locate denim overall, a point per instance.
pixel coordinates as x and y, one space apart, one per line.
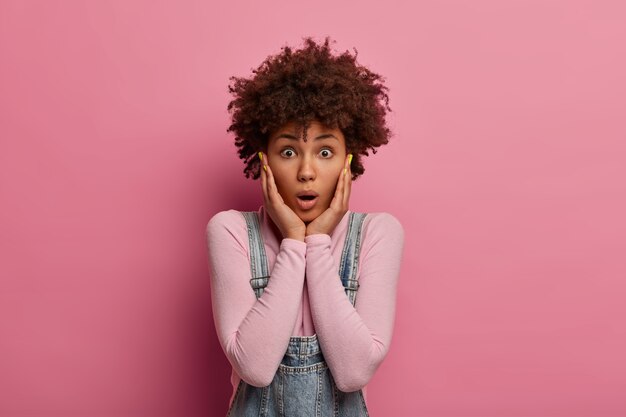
303 384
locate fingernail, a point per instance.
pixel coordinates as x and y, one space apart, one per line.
349 159
345 170
265 168
260 156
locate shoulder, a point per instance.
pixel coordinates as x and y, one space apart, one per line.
226 239
382 222
231 221
382 230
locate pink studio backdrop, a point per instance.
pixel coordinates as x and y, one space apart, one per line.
506 170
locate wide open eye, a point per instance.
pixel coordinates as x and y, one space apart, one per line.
287 152
326 153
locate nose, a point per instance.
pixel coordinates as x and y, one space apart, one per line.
306 171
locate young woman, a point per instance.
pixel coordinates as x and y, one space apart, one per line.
285 280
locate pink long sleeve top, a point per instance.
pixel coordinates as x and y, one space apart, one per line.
304 296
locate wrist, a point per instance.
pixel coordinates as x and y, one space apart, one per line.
315 232
296 233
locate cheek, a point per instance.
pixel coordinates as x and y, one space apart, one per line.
330 185
278 173
281 183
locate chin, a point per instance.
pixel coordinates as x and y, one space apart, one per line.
308 216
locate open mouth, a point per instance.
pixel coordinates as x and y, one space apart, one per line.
306 202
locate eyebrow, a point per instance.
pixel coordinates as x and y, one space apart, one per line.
288 136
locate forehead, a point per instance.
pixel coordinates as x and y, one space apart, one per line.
314 129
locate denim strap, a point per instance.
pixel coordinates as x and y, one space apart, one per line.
258 259
350 255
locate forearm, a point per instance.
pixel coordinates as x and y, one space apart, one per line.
259 343
356 340
254 333
351 349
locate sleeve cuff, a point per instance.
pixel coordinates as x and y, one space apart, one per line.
317 239
293 244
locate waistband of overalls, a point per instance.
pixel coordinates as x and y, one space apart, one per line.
304 345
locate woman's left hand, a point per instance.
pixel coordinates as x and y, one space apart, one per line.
327 221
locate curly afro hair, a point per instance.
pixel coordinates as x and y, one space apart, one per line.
305 85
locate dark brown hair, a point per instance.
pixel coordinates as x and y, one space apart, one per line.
304 85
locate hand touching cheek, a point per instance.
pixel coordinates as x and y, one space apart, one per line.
287 221
327 221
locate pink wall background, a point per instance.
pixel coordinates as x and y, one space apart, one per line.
506 170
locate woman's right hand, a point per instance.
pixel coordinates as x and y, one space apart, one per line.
290 225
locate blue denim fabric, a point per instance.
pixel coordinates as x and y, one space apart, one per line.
303 384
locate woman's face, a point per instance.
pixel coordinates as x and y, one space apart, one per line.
300 166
